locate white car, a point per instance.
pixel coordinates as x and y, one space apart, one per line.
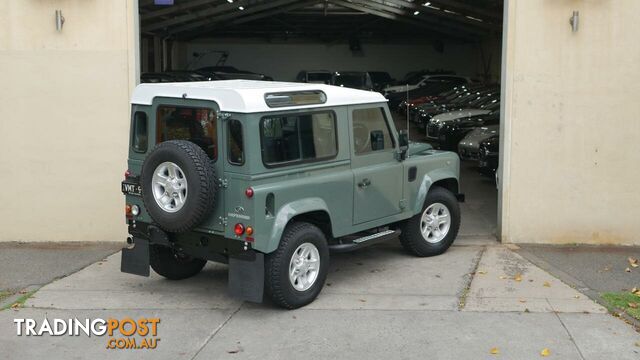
468 147
420 81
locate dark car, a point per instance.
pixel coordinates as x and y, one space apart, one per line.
352 79
452 132
157 77
231 73
314 76
433 85
186 75
380 79
488 156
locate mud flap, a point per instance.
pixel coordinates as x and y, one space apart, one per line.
246 278
136 260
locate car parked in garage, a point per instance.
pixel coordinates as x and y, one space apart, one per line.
482 107
423 80
451 133
229 73
315 76
380 79
469 146
269 177
352 79
488 155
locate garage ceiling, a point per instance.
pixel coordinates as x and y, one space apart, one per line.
324 20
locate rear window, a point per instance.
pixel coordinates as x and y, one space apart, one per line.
140 139
198 125
295 138
235 142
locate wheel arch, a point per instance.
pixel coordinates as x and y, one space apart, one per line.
312 210
441 177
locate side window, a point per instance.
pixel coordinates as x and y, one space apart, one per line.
294 138
197 125
235 142
139 131
371 131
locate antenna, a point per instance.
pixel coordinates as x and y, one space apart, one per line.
407 102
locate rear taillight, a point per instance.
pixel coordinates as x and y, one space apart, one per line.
127 210
238 229
127 174
249 192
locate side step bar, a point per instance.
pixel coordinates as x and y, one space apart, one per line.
364 241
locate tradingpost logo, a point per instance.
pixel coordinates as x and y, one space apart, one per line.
125 333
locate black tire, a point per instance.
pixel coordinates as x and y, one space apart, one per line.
200 177
411 237
172 265
277 284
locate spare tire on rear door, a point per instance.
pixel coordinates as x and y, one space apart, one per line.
178 185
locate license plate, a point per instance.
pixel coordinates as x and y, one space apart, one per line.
131 188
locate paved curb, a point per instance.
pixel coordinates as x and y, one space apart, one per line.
580 286
13 298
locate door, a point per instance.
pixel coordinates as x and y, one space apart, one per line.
195 121
377 174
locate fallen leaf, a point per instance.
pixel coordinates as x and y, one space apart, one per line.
518 277
363 300
22 292
526 310
522 301
235 351
577 296
503 277
633 305
637 343
16 306
627 270
546 284
481 272
606 268
633 262
545 352
494 351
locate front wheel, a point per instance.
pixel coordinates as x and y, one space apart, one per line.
296 271
432 231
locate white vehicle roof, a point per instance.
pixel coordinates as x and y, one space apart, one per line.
248 96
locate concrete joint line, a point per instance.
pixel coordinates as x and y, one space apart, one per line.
465 291
568 332
216 331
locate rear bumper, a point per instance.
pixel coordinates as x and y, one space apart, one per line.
246 266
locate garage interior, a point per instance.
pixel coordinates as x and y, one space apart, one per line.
281 38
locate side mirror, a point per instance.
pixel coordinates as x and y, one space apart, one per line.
403 141
377 140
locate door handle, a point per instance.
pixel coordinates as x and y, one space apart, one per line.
364 183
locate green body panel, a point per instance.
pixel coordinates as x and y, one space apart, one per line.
327 187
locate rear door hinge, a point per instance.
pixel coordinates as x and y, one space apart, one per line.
223 183
222 221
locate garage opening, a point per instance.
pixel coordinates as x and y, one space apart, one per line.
437 62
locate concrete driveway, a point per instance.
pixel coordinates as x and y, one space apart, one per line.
378 303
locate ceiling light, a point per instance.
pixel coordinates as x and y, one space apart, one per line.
230 1
240 8
427 3
416 12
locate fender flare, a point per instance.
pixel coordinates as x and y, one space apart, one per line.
289 211
429 179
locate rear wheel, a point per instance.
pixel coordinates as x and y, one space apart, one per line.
296 271
172 264
432 231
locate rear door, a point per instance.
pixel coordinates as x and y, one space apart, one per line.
377 174
196 121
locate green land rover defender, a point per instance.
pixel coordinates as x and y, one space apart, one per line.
270 177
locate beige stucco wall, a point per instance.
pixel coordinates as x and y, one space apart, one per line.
572 123
64 118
